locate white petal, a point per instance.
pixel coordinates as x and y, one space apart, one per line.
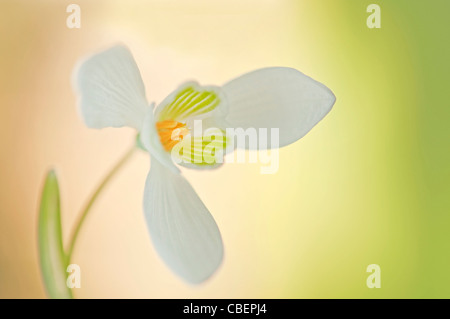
182 229
110 88
277 97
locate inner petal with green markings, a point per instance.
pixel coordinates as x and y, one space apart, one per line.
177 123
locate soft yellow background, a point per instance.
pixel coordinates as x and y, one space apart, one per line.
370 184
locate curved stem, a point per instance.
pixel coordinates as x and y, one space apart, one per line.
94 196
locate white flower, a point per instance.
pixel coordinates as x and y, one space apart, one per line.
112 94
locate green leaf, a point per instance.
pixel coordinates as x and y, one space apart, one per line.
52 257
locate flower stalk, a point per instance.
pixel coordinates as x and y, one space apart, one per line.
93 198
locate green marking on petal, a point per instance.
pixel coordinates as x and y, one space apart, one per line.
202 151
190 101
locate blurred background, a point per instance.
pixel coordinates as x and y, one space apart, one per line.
369 185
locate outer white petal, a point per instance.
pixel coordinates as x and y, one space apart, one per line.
110 89
277 97
181 227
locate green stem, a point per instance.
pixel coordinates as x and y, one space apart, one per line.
92 200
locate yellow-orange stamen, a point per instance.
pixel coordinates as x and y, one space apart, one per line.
170 133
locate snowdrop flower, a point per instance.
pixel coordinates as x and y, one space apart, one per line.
111 94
